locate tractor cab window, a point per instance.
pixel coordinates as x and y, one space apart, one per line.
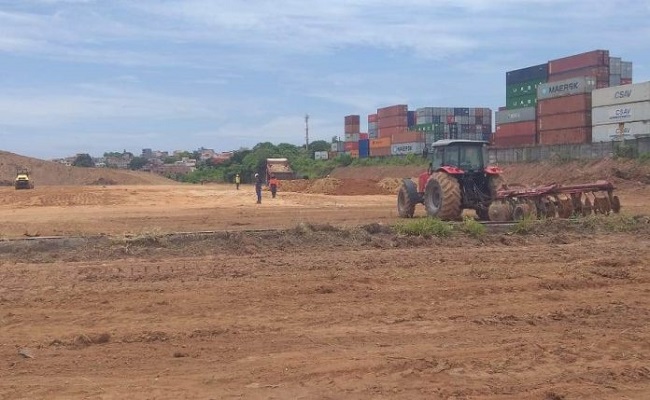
471 158
437 157
451 156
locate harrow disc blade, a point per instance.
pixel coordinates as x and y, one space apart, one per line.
602 205
616 204
565 207
586 207
500 212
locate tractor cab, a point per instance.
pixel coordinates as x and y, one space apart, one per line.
455 155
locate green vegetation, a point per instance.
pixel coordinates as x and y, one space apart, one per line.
524 226
247 162
425 227
83 160
473 228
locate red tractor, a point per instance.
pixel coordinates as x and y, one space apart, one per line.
458 178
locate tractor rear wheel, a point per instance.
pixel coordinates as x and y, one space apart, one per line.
405 207
442 197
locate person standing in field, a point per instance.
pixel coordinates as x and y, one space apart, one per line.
258 188
237 181
273 185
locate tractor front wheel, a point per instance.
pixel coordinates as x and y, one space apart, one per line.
442 198
405 207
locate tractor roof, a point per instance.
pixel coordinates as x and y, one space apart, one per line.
447 142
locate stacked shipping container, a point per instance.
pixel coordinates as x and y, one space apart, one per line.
562 98
515 128
521 85
438 123
621 112
564 111
372 126
352 128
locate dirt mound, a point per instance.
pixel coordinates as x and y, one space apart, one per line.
619 172
377 173
54 174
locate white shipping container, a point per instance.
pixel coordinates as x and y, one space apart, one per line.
407 148
321 155
621 94
351 137
566 87
517 115
606 133
621 113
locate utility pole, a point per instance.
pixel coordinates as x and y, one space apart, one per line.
307 132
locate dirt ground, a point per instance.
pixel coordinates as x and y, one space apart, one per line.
310 296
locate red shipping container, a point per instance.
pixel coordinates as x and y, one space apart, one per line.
392 111
590 59
578 135
407 137
451 119
349 146
514 141
391 130
372 117
352 120
380 151
385 122
503 108
564 105
599 73
626 81
478 112
352 128
516 129
564 121
363 136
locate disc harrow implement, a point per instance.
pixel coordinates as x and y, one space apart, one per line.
554 201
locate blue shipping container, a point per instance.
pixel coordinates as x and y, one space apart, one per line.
364 148
411 118
535 72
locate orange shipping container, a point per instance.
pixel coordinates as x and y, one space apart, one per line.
380 143
380 151
566 136
407 137
563 121
390 131
564 105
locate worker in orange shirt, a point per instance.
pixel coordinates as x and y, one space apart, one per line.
273 185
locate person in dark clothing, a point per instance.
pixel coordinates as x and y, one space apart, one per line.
258 188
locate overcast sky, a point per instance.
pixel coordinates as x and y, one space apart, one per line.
99 75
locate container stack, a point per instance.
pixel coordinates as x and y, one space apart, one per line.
352 128
372 126
560 92
392 120
438 123
564 111
626 72
380 147
515 128
521 86
364 148
593 64
621 112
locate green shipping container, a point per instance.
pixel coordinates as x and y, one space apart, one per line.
521 101
523 89
437 128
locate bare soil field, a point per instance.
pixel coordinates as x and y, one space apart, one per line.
312 296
